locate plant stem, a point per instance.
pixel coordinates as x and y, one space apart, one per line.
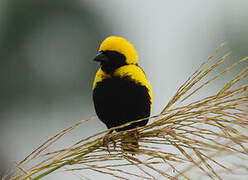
91 149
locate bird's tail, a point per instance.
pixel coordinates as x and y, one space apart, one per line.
130 142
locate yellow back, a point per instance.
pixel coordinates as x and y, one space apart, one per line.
133 71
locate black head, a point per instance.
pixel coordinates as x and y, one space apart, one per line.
110 60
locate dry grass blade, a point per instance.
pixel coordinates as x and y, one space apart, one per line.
184 138
196 77
52 140
218 75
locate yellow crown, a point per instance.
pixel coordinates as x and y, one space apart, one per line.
120 45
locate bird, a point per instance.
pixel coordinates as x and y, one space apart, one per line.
121 90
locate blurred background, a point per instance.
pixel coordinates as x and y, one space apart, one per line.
47 47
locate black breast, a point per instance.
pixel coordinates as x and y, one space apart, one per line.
121 100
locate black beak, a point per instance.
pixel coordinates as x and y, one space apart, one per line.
101 57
